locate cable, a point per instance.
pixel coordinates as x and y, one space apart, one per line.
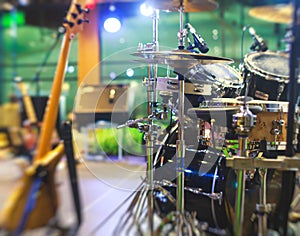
242 43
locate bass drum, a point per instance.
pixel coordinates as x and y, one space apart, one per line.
210 187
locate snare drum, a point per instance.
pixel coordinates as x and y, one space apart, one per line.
266 75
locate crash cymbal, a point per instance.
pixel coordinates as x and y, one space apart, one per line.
280 13
188 5
179 58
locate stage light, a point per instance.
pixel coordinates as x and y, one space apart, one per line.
70 69
112 75
112 24
146 9
24 2
129 72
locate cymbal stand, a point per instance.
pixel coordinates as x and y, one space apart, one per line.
182 33
151 109
181 217
150 131
243 121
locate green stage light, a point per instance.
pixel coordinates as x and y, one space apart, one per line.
12 18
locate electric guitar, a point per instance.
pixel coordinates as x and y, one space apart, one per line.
34 201
30 127
28 105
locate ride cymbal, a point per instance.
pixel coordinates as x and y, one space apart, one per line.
188 5
280 13
179 58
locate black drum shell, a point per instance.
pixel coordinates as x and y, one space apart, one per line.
225 183
266 75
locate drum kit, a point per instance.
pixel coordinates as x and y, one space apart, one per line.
219 167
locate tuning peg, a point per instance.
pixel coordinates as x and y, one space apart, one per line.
70 23
80 21
74 15
80 10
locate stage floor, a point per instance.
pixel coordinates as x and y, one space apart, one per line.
104 187
104 184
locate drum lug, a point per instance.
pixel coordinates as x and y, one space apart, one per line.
277 126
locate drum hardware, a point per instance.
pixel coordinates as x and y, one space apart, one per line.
171 84
199 191
181 60
261 163
262 208
167 103
150 130
243 121
277 126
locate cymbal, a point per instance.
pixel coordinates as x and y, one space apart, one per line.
267 105
219 113
279 13
188 5
179 58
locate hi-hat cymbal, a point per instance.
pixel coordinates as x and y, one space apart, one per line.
179 58
280 13
188 5
219 113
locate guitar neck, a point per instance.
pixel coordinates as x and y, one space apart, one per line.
51 112
29 109
73 23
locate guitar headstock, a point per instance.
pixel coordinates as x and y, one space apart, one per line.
20 85
75 17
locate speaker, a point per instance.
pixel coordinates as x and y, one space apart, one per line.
102 99
102 102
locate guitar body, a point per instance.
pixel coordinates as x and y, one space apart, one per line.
46 201
38 183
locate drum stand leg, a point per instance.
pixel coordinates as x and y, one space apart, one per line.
240 192
183 223
151 94
151 107
262 207
180 149
244 121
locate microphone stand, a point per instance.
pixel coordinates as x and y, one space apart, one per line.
292 86
288 177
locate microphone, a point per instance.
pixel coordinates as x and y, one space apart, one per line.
190 46
198 40
258 41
